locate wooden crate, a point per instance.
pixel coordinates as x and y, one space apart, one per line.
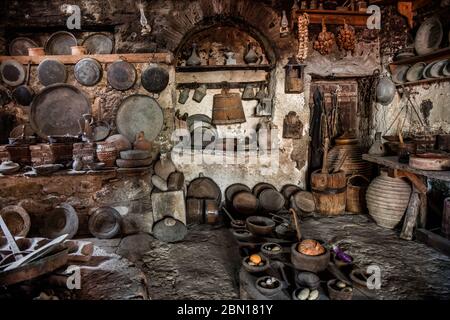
19 154
44 153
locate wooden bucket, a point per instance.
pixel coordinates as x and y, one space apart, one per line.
356 194
329 191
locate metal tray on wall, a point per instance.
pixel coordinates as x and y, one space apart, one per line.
139 113
57 109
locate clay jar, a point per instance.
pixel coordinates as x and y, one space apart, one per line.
141 143
106 153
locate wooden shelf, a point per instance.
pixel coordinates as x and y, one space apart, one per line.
423 81
436 55
256 67
354 18
392 162
166 58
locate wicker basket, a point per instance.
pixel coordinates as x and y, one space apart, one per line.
44 153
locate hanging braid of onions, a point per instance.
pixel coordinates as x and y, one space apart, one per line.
303 22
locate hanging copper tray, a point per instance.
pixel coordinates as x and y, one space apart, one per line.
121 75
59 43
98 43
57 109
139 113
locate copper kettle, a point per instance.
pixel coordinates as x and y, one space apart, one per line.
227 108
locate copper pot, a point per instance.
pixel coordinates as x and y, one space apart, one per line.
34 52
78 50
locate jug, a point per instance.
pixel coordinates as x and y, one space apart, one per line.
248 93
184 95
199 93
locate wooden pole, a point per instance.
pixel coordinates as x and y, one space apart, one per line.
411 216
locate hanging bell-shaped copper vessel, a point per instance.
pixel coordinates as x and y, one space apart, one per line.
227 108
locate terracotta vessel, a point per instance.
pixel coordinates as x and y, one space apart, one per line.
141 143
34 52
353 164
107 153
78 50
387 199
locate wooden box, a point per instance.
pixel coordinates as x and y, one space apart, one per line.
44 153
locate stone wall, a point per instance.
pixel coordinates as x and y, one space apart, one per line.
129 193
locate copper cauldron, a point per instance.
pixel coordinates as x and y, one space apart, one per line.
227 108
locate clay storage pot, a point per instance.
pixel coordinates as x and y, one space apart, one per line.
271 200
356 194
251 267
120 142
164 167
107 153
17 220
312 263
245 202
268 286
337 293
329 191
62 220
105 223
387 199
260 225
353 164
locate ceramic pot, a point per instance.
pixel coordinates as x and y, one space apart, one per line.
387 199
194 59
354 163
141 143
251 57
107 153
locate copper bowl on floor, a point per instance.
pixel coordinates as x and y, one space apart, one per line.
309 263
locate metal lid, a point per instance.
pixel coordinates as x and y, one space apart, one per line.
154 78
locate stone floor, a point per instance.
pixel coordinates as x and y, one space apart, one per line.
205 265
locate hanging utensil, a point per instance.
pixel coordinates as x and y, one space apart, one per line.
60 43
297 226
154 78
121 75
24 94
51 72
98 43
88 72
12 72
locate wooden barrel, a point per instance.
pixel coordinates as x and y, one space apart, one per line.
329 191
212 212
356 194
271 200
194 211
245 202
204 188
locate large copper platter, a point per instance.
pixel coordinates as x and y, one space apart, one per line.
57 109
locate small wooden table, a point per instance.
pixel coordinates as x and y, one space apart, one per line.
419 179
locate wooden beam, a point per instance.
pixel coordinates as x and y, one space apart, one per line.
417 181
411 216
222 76
166 58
